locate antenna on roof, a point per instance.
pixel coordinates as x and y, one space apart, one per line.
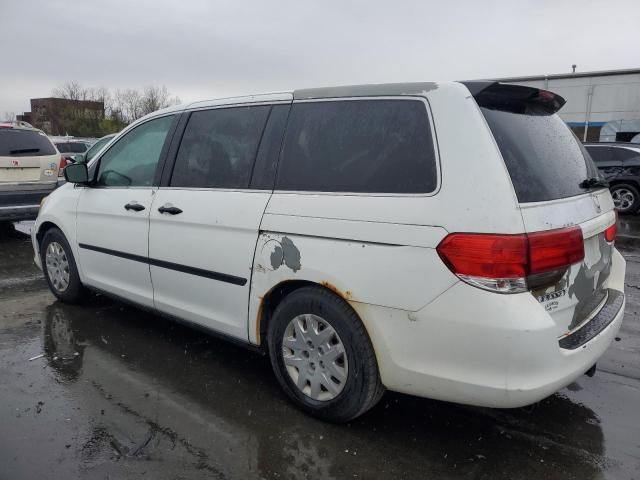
573 68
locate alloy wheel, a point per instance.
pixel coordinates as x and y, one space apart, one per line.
623 199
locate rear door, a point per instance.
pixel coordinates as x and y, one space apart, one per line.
113 214
548 166
205 220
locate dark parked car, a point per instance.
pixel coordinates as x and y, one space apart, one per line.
620 165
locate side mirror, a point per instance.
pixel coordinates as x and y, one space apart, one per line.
77 173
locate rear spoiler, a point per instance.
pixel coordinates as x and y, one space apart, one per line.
514 98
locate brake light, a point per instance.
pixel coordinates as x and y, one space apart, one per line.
512 263
610 232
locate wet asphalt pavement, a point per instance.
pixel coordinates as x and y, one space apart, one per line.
120 393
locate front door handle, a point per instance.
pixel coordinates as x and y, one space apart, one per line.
170 210
134 206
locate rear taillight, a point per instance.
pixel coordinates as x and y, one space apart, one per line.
610 233
512 263
61 165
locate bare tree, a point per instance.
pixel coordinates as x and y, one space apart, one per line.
71 91
128 104
8 116
154 98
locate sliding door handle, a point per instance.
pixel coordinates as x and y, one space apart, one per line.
134 206
170 210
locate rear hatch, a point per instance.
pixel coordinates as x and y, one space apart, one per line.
557 186
27 157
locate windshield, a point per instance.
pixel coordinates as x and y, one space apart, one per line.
24 143
544 158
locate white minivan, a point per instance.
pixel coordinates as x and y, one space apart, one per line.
447 240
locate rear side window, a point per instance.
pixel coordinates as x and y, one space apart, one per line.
15 142
218 148
625 154
600 154
374 146
544 158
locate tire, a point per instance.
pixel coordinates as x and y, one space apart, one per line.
356 385
626 198
61 273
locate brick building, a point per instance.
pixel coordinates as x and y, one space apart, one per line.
61 116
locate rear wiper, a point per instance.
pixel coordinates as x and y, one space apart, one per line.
594 182
24 150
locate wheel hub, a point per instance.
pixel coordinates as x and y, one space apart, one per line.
623 198
315 357
57 266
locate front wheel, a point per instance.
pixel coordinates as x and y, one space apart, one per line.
626 198
322 356
59 267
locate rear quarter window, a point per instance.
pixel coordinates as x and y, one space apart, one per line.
544 158
15 142
359 146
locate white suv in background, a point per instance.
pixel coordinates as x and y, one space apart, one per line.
447 240
29 165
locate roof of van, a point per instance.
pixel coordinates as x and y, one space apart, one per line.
393 89
372 90
365 90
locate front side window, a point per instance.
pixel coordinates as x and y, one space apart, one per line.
218 148
132 161
360 146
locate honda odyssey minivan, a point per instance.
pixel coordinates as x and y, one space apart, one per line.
447 240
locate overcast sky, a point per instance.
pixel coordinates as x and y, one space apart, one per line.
205 49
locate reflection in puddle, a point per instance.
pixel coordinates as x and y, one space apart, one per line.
158 391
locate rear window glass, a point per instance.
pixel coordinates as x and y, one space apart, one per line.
375 146
544 158
15 142
71 147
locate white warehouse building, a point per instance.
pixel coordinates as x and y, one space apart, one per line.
601 106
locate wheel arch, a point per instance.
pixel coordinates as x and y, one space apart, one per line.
43 228
272 298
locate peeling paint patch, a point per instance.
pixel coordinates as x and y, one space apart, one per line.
276 257
291 254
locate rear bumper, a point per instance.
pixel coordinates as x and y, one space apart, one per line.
480 348
22 205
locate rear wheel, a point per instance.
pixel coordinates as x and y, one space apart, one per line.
59 267
626 198
322 356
